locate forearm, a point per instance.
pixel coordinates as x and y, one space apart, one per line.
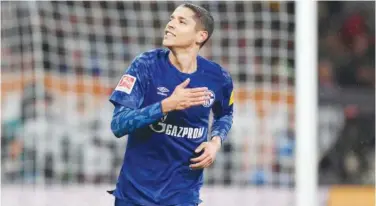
222 126
126 120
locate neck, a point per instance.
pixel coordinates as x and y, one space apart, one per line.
185 60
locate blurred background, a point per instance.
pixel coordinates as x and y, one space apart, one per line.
61 60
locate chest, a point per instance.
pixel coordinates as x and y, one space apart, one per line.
163 85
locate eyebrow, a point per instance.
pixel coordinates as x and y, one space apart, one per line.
179 17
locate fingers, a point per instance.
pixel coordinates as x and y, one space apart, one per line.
197 89
204 163
185 83
199 94
201 147
186 105
196 103
200 158
197 100
190 97
193 101
205 159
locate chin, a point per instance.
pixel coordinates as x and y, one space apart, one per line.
167 44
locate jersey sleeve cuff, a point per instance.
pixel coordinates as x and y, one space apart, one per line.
158 113
218 134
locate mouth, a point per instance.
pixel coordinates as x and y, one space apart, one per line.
168 33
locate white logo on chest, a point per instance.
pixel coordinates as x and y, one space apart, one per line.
162 91
177 131
210 101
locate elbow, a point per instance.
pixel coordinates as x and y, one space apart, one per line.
116 129
117 134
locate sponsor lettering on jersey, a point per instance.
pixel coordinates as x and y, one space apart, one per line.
177 131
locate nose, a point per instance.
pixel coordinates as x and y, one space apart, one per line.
171 24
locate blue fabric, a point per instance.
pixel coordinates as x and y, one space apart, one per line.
156 163
221 126
126 120
119 202
223 110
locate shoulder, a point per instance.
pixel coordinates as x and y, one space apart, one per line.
217 70
150 57
143 63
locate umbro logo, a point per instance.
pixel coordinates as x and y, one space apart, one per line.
162 91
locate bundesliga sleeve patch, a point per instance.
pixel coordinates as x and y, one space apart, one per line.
126 83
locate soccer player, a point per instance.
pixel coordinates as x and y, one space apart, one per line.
163 102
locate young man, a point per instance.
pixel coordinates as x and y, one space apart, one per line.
163 102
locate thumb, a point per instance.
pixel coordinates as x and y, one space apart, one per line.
185 83
200 148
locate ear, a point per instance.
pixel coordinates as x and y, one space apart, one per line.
201 36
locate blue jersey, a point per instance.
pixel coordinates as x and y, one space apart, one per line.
157 158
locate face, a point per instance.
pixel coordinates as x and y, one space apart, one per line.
182 30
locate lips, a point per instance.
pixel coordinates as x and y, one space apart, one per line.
168 33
